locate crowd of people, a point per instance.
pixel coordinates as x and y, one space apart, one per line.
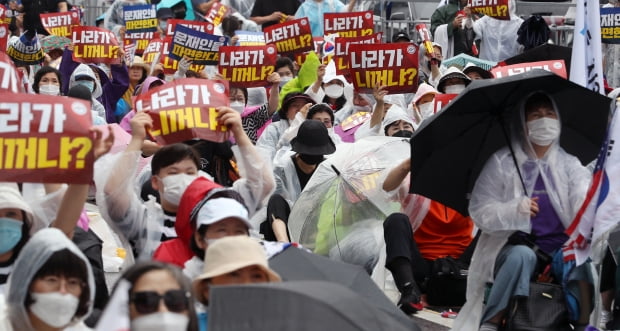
186 217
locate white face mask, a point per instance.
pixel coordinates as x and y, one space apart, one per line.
543 131
284 80
175 185
238 106
49 89
455 89
163 321
358 109
426 110
54 308
334 91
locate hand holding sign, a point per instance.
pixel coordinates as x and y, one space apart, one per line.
102 146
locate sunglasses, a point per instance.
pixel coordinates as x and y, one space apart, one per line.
147 302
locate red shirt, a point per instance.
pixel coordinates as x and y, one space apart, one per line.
443 232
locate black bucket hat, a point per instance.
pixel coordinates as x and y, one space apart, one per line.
313 139
290 98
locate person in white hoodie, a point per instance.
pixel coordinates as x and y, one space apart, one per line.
84 75
498 38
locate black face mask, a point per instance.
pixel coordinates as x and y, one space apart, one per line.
179 14
428 64
403 134
311 159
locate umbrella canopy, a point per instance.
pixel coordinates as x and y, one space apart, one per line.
346 189
51 42
449 151
295 264
300 306
544 52
463 59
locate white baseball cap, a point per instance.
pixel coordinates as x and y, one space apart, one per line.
215 210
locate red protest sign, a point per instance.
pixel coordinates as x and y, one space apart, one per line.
60 24
493 8
153 49
45 139
4 36
171 65
185 109
217 13
441 100
341 50
3 18
247 66
392 65
556 66
9 79
95 45
206 27
140 39
290 37
355 24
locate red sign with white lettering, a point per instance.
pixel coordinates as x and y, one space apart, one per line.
247 66
392 65
441 101
556 66
95 45
357 24
341 50
493 8
185 109
290 37
60 24
9 79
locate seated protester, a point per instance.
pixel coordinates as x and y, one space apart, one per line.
423 103
361 112
160 299
255 118
423 232
320 112
51 286
47 81
113 82
232 260
475 72
285 68
292 104
453 81
174 167
386 119
430 64
510 208
84 75
292 172
498 38
333 90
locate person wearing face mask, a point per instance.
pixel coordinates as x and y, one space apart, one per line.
292 172
453 81
255 118
430 64
51 286
85 76
160 298
535 206
388 117
47 81
320 112
475 72
174 168
163 15
423 105
285 68
333 90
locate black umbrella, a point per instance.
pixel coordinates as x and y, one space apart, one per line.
296 264
544 52
449 151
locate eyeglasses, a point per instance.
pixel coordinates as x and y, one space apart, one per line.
72 284
147 302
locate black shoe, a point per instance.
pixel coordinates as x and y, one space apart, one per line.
409 301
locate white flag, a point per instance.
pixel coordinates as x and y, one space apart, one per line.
115 316
586 63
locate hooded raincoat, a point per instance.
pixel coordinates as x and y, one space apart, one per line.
498 38
98 110
33 256
496 201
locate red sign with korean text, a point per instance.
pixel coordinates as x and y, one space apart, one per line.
95 45
290 37
206 27
9 78
152 50
341 50
247 66
357 24
45 139
217 13
4 36
3 18
493 8
441 100
556 66
185 109
60 24
392 65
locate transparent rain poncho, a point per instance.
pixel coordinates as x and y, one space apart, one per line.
32 257
499 206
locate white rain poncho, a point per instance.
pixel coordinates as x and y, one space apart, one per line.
98 109
499 207
498 38
32 257
270 138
